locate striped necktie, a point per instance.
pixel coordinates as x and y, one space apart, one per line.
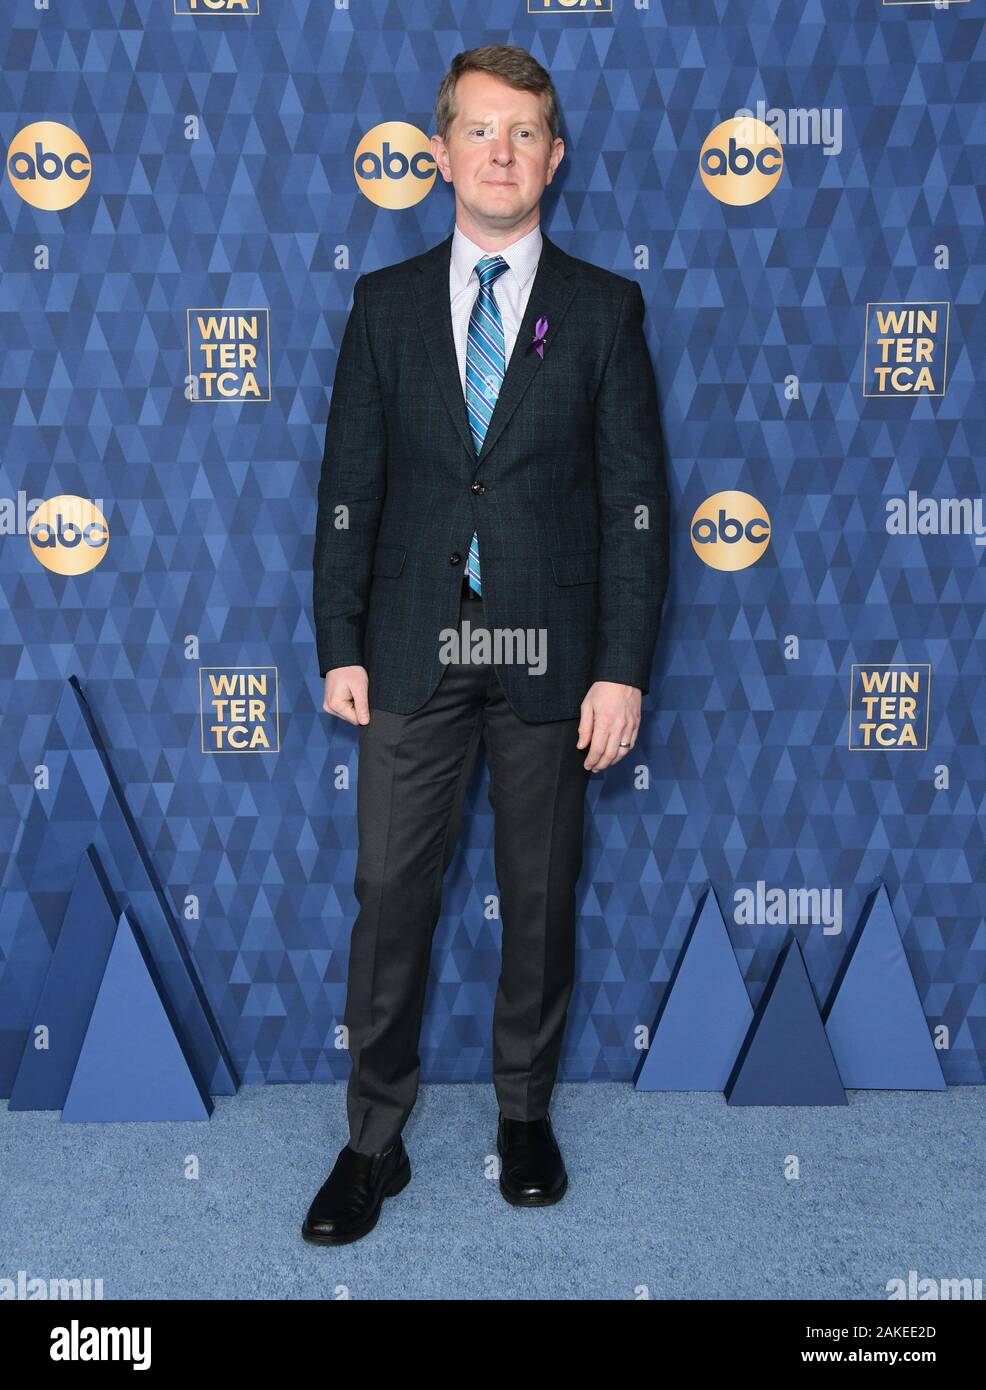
485 365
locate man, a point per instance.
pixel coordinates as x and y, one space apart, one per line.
493 464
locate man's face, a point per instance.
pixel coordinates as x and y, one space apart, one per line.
498 153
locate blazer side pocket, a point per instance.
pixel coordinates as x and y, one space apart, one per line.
389 559
576 567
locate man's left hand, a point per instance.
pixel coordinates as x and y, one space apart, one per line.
610 715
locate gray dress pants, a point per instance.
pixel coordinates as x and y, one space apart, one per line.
413 773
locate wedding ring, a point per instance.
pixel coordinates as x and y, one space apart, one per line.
624 745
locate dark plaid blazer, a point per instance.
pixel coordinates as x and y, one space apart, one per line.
568 495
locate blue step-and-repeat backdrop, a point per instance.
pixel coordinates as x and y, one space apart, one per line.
190 189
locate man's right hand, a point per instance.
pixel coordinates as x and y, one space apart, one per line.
346 695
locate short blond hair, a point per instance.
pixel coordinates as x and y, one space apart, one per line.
508 62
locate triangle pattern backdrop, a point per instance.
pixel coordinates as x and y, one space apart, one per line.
85 807
211 509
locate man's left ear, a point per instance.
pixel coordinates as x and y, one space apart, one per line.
440 155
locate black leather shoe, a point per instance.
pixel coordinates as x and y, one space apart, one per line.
348 1203
532 1171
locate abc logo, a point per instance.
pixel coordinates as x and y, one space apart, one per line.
49 165
69 535
741 161
730 530
394 165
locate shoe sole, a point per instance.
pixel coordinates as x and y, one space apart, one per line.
397 1184
521 1201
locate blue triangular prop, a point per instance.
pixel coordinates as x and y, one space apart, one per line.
874 1019
786 1059
86 805
132 1066
705 1013
70 989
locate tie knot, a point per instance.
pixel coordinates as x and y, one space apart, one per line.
489 269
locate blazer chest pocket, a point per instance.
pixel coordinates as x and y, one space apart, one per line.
389 559
577 567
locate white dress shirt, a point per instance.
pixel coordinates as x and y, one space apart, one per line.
512 290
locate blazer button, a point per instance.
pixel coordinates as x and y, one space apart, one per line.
478 487
455 558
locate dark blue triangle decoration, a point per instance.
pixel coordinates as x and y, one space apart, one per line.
85 805
132 1066
69 994
786 1058
874 1020
705 1013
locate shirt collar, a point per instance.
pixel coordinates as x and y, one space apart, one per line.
522 256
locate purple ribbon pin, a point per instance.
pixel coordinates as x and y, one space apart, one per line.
540 329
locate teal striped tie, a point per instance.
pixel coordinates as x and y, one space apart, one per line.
485 365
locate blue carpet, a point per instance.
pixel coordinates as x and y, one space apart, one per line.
671 1195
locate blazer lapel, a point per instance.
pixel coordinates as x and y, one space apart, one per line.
551 294
431 293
